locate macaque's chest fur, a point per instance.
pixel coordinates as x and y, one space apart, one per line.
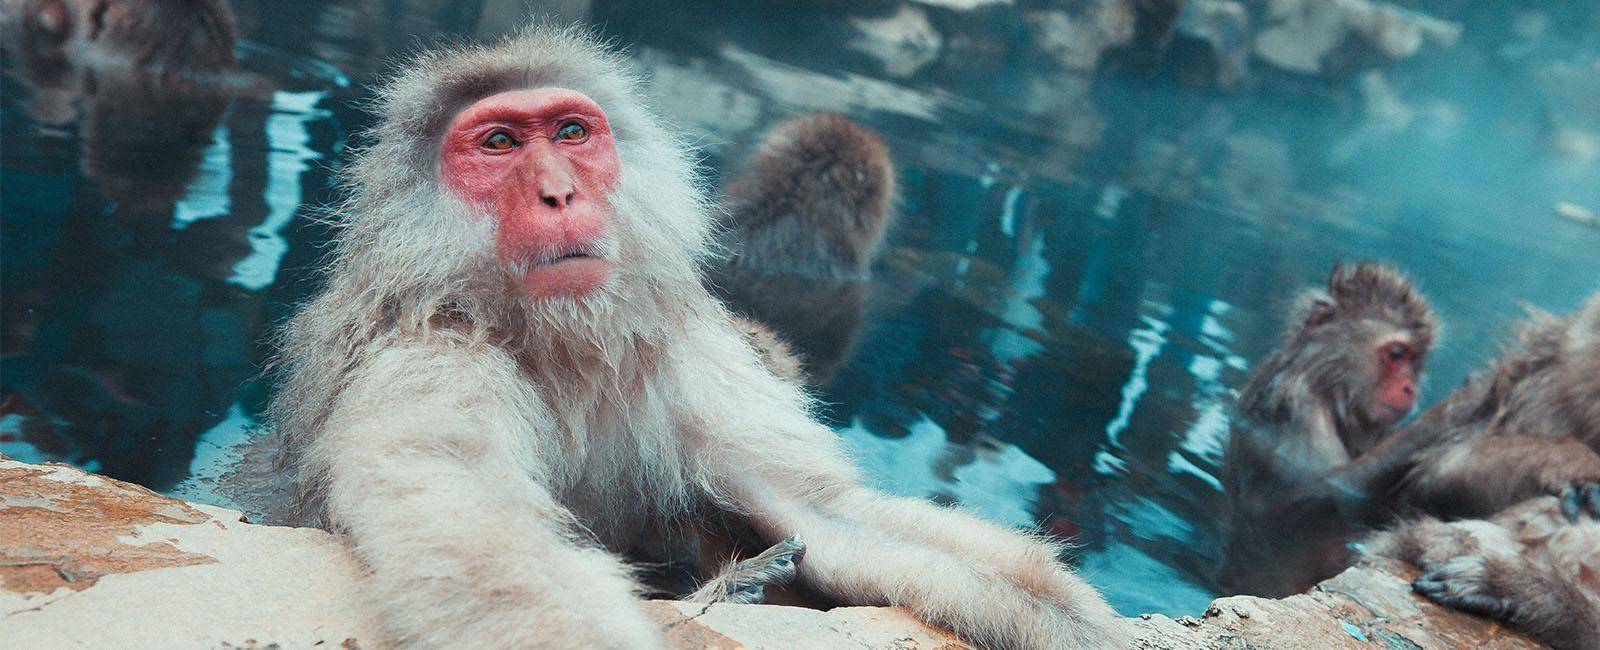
622 442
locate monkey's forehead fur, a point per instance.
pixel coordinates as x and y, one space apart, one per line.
1370 290
416 104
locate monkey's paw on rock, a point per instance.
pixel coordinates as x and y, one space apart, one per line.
91 562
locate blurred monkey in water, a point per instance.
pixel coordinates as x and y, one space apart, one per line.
1523 435
515 376
805 217
1311 455
1528 427
140 87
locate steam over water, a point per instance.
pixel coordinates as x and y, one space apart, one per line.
1090 255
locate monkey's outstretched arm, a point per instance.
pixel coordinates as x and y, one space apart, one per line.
1363 485
789 476
1483 474
1305 463
1274 469
434 468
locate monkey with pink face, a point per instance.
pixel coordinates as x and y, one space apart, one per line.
515 379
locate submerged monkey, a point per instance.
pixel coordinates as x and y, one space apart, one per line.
515 376
1312 455
805 218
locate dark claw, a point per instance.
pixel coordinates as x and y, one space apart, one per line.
1570 502
1431 585
750 595
1580 498
1434 587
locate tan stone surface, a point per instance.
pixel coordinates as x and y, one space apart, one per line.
92 562
772 627
1367 606
61 528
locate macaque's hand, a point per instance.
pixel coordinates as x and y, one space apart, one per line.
1461 583
1579 499
747 581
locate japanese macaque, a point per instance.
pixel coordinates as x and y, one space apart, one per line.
1523 435
1535 566
139 86
145 81
515 379
1528 427
1311 456
805 218
67 49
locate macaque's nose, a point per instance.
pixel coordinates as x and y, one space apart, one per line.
1409 389
556 195
555 182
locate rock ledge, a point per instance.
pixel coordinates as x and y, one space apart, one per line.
90 562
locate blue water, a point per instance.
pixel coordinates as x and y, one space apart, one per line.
1082 273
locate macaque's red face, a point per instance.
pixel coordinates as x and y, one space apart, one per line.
1396 393
542 163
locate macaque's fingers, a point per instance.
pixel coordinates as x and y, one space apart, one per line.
1472 603
866 562
1580 498
1461 584
746 582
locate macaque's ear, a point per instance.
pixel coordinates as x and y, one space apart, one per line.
1319 312
1312 309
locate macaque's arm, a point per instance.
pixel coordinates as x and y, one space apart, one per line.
790 477
434 472
1290 470
1365 483
1485 473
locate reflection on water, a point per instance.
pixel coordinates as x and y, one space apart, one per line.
146 200
1084 262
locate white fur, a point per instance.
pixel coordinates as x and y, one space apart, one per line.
487 454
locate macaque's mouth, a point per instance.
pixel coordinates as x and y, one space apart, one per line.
1393 412
554 256
570 256
570 273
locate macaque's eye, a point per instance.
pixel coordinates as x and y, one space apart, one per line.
571 132
500 141
1396 352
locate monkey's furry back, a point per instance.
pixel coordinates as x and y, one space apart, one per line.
407 255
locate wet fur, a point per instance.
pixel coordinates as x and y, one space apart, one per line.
1307 464
805 218
1518 441
1321 372
1528 426
491 459
1528 566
